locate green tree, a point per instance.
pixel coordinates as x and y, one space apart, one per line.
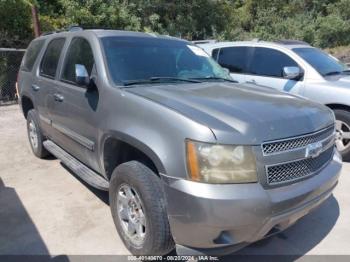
15 25
322 23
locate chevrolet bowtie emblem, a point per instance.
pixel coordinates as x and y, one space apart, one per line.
313 150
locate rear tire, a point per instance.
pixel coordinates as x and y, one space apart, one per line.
145 189
343 133
35 135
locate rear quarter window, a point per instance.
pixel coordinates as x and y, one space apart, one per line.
215 54
31 54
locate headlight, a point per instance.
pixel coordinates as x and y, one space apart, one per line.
214 163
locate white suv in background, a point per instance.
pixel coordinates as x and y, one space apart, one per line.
291 66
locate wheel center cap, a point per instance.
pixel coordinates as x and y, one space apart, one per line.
339 135
132 211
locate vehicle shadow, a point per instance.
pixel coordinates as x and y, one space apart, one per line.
102 195
18 233
300 238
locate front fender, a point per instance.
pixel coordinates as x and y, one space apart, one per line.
156 130
133 142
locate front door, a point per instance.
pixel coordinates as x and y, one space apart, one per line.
76 107
266 69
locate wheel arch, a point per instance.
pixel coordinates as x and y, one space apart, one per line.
119 148
339 106
26 104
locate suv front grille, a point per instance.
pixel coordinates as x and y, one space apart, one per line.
287 172
296 142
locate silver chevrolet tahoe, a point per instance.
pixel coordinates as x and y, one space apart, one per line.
191 159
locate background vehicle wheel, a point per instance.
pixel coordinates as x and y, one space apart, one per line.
35 135
138 209
343 133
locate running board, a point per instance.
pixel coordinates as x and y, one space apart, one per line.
81 170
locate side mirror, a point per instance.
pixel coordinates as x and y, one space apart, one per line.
292 72
81 75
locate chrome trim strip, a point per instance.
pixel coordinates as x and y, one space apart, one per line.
76 137
293 138
295 160
299 153
45 119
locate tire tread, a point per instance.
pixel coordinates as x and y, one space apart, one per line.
153 197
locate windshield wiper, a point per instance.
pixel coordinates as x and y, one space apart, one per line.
165 78
215 78
332 73
160 79
346 72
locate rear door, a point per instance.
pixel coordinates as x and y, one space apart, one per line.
45 82
266 68
76 106
235 59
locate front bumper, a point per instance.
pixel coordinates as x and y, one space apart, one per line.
220 219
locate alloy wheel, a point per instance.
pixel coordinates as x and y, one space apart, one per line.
33 134
131 214
342 136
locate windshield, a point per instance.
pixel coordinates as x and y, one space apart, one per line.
322 62
142 59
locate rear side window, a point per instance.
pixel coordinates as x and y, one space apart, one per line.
215 54
32 53
234 59
79 52
269 62
51 57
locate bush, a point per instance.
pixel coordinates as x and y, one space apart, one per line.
15 26
332 31
323 23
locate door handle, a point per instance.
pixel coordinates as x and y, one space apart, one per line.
252 82
35 88
58 97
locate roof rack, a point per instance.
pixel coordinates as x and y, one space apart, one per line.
209 41
51 32
291 42
75 28
72 28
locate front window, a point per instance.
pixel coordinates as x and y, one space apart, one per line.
141 59
270 62
322 62
79 52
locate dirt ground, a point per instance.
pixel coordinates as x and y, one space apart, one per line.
45 209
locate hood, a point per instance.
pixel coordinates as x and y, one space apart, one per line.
248 114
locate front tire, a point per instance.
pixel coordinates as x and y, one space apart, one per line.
138 208
343 133
35 135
